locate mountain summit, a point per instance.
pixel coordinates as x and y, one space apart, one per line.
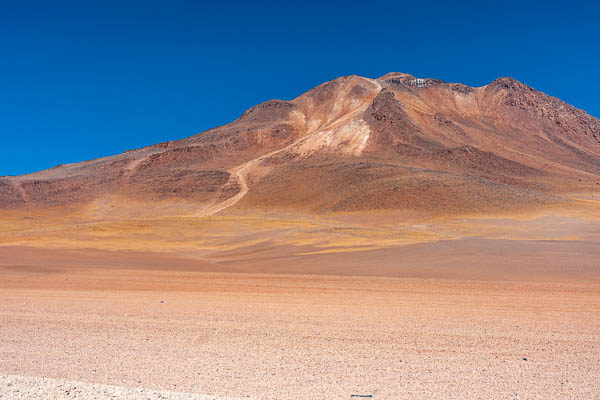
349 145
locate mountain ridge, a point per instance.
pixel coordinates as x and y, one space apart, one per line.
418 141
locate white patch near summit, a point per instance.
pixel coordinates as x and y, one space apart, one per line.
350 138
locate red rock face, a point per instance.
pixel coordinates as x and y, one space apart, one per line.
397 142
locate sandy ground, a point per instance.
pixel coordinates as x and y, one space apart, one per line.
252 335
25 387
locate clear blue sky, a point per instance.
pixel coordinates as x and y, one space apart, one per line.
85 79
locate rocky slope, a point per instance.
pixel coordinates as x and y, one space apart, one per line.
353 144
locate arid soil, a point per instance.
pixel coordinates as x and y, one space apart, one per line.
25 387
251 335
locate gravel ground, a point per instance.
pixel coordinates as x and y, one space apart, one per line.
276 337
26 387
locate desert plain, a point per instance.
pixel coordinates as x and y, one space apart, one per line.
464 316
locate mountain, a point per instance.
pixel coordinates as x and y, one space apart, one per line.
352 144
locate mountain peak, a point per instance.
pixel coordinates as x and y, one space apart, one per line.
395 75
507 82
402 79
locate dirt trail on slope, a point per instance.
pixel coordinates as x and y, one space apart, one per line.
20 189
241 172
